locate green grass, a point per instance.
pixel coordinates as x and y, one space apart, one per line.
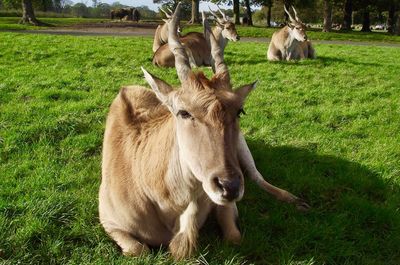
314 34
12 23
326 129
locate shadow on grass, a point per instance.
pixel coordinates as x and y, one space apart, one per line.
320 60
354 213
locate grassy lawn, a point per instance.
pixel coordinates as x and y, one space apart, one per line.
7 23
314 34
327 130
11 23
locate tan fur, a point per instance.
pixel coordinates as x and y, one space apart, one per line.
196 47
160 37
144 189
290 42
172 156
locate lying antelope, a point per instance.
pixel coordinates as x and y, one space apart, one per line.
161 34
290 42
171 156
196 46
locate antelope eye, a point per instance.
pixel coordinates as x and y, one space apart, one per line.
184 114
240 112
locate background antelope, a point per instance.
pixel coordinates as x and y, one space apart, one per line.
161 34
290 42
155 194
196 46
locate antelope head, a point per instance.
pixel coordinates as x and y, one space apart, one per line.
205 115
226 25
296 28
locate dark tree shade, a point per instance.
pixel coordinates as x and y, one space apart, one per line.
236 11
248 11
366 21
347 13
327 16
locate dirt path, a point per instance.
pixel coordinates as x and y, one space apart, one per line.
148 30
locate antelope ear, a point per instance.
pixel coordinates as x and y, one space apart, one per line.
161 88
165 20
290 25
243 91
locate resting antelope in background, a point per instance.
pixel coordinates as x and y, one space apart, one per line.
161 34
171 156
196 46
290 42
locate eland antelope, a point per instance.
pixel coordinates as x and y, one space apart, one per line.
196 46
290 42
171 156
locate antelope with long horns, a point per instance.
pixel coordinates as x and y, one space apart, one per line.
171 156
196 46
161 34
291 42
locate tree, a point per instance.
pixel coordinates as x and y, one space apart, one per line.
268 5
195 12
347 14
186 6
249 14
366 23
80 10
28 15
327 16
392 6
236 11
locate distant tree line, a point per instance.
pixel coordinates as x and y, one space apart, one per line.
67 8
345 13
341 14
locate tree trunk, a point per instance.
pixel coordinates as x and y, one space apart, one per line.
327 16
28 16
391 21
269 8
195 12
397 28
366 21
347 12
248 10
236 11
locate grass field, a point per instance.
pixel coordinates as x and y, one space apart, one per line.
325 129
314 34
11 23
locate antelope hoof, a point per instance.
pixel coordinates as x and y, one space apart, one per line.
301 205
181 247
234 238
136 250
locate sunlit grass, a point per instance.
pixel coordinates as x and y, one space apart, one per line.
327 130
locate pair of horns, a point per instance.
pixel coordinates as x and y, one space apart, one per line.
167 14
181 58
290 16
224 17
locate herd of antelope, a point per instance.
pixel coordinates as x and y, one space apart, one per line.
171 156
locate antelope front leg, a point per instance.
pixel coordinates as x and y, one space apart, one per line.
249 169
227 219
183 244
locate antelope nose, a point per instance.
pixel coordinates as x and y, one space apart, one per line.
229 187
237 38
305 37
